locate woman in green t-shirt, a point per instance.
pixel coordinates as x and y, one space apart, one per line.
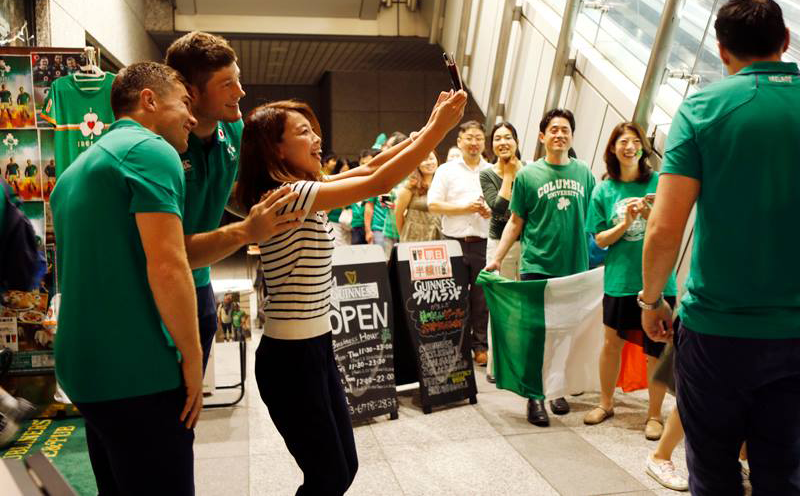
617 217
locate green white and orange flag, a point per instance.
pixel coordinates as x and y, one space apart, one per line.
546 335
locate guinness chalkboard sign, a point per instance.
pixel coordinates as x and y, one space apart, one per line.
361 320
434 293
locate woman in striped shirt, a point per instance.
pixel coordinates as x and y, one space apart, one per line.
296 371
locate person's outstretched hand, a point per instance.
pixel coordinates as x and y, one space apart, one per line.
449 112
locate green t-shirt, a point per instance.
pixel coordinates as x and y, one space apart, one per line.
5 96
553 201
739 137
111 342
81 112
390 222
23 98
31 170
334 214
12 169
358 215
623 265
378 214
236 318
211 169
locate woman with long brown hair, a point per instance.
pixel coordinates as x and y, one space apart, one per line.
295 367
414 221
618 216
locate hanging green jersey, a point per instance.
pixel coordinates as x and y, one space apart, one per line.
81 112
623 272
553 201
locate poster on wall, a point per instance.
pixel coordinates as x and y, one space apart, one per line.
16 102
47 67
47 152
19 162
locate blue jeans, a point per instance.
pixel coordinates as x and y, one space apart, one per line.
358 236
732 390
207 319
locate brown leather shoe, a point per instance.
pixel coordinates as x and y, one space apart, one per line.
481 358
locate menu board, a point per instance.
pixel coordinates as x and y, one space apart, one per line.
361 321
434 293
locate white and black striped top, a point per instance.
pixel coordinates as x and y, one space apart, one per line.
298 274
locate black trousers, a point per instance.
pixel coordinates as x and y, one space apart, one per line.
139 446
207 319
732 390
474 256
299 382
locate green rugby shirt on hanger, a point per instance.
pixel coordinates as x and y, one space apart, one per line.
80 110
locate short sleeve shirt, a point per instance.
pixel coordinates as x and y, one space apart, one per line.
210 170
378 214
111 341
553 200
457 183
739 138
623 264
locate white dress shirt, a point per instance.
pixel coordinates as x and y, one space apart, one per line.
455 182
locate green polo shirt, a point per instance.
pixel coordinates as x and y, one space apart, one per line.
378 214
739 137
553 200
211 168
111 342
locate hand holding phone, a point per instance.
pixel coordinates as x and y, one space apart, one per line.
455 77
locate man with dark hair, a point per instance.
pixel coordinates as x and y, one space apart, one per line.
732 150
210 164
135 369
456 194
549 203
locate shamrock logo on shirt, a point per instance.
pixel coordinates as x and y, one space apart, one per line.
10 141
91 125
563 203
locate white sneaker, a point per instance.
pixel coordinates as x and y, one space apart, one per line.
663 471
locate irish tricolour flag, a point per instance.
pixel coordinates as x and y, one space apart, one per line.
546 335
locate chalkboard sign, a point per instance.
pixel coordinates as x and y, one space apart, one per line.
361 320
434 293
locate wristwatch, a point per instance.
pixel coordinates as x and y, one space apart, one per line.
649 306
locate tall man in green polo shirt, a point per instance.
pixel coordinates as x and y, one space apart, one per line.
732 151
127 350
210 165
549 203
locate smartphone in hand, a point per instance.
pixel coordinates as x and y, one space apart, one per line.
455 77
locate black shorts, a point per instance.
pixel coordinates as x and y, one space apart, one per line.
623 314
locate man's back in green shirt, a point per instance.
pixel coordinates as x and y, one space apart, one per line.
739 137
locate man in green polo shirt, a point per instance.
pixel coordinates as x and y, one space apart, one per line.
210 165
549 203
732 151
127 350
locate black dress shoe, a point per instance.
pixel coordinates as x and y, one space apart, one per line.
559 406
537 414
490 379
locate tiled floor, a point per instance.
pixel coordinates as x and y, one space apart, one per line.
483 449
487 448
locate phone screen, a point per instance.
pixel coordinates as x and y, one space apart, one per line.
455 77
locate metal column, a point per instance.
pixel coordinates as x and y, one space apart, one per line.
463 31
561 62
657 65
501 56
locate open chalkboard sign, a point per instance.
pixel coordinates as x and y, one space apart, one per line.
434 293
361 321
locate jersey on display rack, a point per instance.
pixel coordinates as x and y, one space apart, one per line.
81 112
